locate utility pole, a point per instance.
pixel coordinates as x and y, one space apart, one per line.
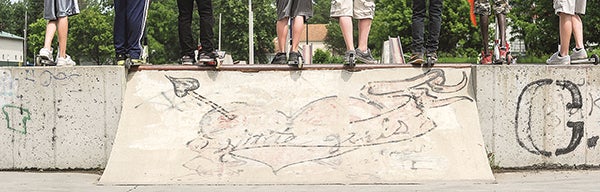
250 33
25 38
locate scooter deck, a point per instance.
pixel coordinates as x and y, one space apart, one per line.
591 60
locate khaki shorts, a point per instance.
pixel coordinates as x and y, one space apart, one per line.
482 7
358 9
570 7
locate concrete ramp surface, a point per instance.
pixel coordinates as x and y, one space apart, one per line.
395 125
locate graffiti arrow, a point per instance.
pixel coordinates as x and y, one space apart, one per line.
187 86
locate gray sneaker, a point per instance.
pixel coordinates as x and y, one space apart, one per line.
365 57
577 55
350 57
557 60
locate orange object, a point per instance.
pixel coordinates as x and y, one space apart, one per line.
472 12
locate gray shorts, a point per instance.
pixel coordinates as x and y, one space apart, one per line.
289 8
358 9
483 7
570 7
54 9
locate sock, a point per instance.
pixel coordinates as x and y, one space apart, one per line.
578 49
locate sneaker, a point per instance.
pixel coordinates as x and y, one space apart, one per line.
120 59
365 57
65 62
46 54
577 55
558 60
187 60
207 56
350 57
486 58
416 59
295 58
502 56
432 58
137 61
280 58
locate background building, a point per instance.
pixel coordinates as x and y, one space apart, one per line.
11 49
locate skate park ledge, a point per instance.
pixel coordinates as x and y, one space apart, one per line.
529 115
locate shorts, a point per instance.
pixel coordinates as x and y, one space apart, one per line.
358 9
570 7
289 8
54 9
482 7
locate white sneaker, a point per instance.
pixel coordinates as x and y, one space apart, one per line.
46 53
557 60
577 55
66 62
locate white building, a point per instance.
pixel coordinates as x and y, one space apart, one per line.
11 49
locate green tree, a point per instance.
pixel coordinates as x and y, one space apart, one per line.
235 27
90 35
162 32
536 24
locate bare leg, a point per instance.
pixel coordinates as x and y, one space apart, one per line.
63 30
484 32
281 35
297 29
566 29
346 26
364 27
502 29
50 31
577 30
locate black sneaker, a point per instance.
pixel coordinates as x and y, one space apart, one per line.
187 60
295 58
432 58
207 56
365 57
120 59
416 59
280 58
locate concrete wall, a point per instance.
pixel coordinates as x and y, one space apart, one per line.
540 115
56 117
529 115
393 125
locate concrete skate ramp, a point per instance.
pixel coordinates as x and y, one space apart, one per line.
372 126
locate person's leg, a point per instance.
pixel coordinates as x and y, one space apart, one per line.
63 32
347 31
364 28
418 27
136 23
501 28
50 32
577 31
434 26
282 33
207 21
484 21
187 45
297 28
566 29
120 29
